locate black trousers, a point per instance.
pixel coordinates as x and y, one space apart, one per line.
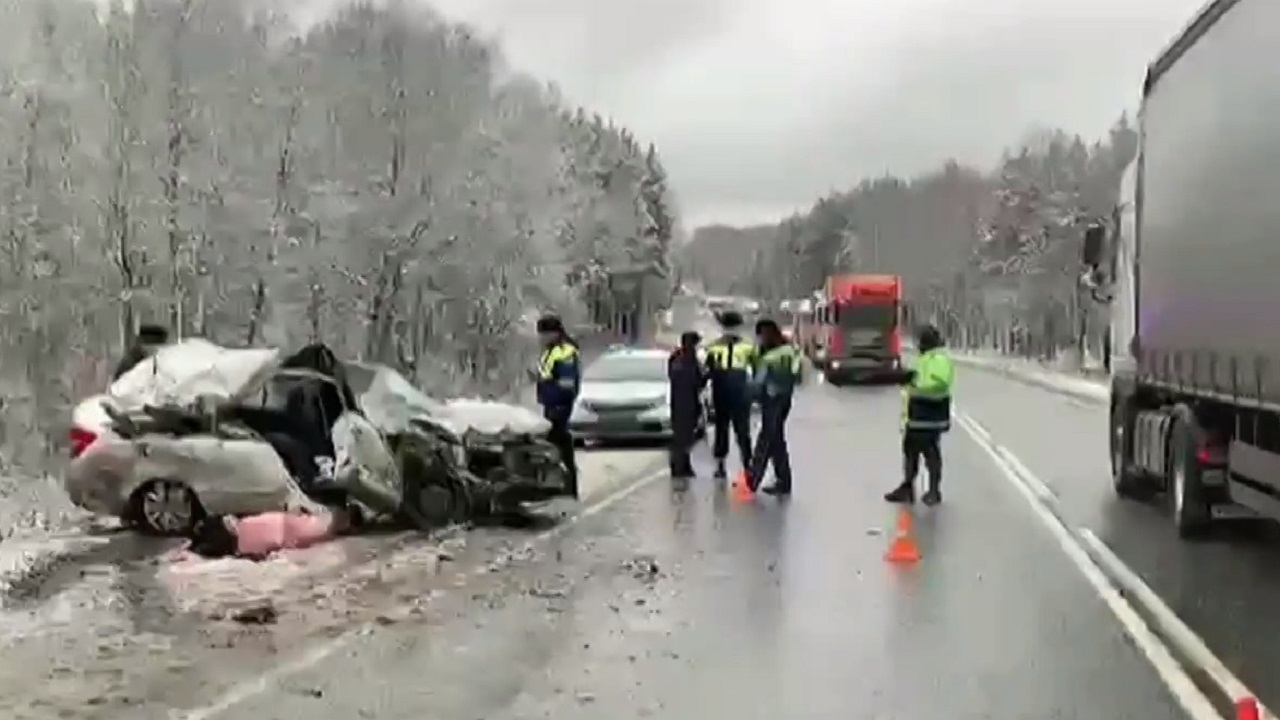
771 443
926 444
560 436
684 429
735 416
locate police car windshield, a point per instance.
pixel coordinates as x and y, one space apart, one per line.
628 368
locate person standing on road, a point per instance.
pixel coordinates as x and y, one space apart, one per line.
687 378
731 361
777 374
926 416
559 379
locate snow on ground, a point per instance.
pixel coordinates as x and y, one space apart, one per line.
1090 383
30 505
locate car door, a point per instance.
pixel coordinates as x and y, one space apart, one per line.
363 458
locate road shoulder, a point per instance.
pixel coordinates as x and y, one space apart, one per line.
165 635
1089 388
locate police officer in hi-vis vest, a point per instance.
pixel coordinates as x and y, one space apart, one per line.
777 375
559 379
731 362
926 416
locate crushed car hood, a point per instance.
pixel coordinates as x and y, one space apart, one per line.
487 417
391 403
179 373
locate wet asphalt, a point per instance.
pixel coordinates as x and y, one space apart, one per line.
1225 586
677 602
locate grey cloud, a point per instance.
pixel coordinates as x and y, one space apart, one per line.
761 104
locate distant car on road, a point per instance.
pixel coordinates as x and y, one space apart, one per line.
625 396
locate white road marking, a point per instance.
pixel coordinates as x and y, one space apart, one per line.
1042 489
1047 494
315 655
1168 622
1181 687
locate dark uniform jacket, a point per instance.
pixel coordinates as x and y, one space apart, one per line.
559 378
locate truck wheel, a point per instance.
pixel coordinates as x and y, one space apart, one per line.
1192 511
1126 480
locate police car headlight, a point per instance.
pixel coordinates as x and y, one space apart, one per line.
581 413
661 412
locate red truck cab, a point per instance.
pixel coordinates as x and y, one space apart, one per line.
861 327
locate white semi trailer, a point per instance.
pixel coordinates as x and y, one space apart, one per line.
1193 268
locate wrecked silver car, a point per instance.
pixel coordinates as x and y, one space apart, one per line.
202 429
497 451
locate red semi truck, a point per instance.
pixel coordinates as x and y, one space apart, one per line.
860 333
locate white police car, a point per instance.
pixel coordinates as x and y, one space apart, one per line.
625 396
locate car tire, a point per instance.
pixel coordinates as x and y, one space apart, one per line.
165 507
431 500
1192 511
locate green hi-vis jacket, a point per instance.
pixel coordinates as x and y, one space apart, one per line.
778 372
927 399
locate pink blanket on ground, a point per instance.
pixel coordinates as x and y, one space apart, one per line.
261 535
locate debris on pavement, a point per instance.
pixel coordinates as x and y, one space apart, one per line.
263 614
644 568
171 627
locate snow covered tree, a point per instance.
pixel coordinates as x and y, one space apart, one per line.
379 180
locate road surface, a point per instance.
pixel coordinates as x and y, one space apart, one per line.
676 602
1225 587
131 630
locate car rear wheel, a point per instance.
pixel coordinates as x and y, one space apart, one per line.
166 507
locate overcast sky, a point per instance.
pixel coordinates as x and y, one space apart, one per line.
759 106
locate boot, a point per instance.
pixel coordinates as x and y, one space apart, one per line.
720 473
903 494
778 489
933 495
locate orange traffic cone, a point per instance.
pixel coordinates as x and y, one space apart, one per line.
742 491
903 549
